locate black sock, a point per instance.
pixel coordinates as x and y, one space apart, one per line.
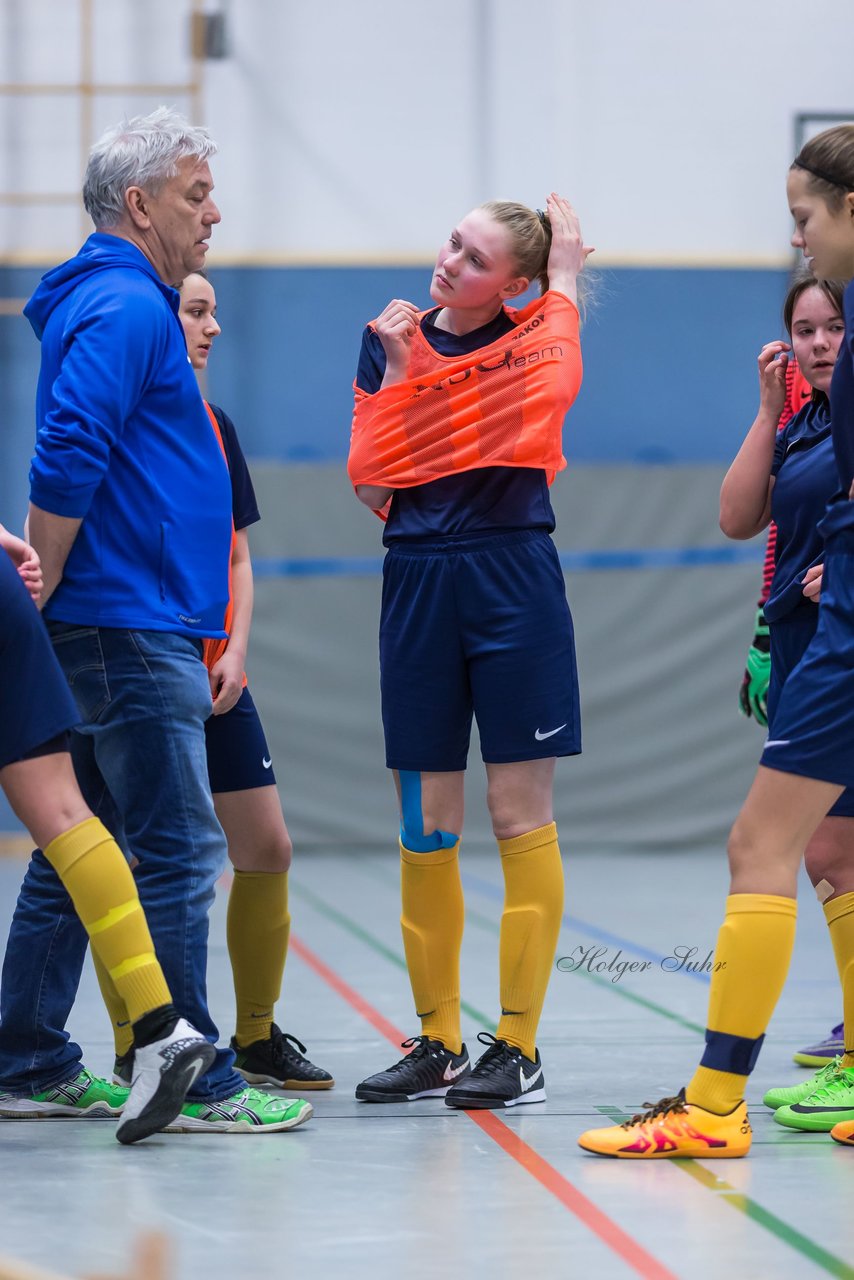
154 1025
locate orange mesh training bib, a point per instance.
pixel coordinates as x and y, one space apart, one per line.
500 406
214 649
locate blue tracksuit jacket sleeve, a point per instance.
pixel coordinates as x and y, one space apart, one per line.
108 350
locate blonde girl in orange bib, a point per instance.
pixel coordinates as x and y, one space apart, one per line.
456 439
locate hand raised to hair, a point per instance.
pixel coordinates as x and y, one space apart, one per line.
568 252
395 327
773 361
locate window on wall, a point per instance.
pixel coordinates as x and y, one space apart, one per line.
809 123
67 72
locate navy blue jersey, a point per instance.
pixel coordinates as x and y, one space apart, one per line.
842 416
489 500
244 504
814 719
806 479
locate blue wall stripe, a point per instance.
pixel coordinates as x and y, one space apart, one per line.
669 360
571 561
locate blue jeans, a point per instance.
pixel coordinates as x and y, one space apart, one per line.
139 756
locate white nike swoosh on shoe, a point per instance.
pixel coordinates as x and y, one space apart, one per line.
451 1073
528 1082
541 737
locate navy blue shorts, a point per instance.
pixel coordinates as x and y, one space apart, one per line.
238 756
36 706
477 625
813 733
791 636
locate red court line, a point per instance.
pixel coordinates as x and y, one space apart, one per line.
570 1197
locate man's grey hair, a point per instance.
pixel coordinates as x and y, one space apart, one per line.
141 152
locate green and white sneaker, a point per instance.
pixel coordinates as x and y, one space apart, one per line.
831 1104
248 1111
776 1098
84 1095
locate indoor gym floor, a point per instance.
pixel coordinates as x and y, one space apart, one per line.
381 1191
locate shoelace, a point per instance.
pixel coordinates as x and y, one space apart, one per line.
657 1109
830 1072
825 1079
496 1055
280 1048
832 1078
420 1050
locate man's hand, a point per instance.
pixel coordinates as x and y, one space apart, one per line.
753 694
52 537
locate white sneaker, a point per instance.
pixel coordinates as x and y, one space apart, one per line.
162 1074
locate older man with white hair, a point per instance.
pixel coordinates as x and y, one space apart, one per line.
130 511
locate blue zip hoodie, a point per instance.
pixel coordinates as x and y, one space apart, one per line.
123 441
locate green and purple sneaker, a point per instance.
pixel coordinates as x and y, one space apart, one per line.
818 1055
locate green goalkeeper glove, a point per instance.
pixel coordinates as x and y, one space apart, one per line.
753 694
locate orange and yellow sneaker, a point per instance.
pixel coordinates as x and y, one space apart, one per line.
673 1128
844 1133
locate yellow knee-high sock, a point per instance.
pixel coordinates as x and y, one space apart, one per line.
530 924
431 920
99 882
116 1008
258 928
839 913
751 962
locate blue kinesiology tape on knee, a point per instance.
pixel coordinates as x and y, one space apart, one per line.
412 835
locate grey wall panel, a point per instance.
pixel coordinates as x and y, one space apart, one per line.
667 758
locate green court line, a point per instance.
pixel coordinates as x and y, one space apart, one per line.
744 1204
828 1261
782 1230
484 922
374 943
821 1257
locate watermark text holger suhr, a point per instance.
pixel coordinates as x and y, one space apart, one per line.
599 960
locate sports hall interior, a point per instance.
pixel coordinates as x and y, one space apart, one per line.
351 136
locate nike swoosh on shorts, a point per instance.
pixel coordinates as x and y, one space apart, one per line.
541 737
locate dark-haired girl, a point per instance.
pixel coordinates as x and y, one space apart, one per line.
806 765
